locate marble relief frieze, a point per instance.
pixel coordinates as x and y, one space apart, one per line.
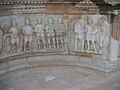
90 33
40 32
32 33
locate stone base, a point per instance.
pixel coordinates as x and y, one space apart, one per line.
61 58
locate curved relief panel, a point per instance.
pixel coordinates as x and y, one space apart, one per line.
29 33
90 33
36 33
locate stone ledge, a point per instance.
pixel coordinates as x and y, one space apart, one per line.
18 64
4 67
99 65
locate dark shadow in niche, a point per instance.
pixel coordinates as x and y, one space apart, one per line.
117 7
103 6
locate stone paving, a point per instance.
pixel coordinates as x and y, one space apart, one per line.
56 78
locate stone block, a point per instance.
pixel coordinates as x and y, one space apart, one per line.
3 68
18 64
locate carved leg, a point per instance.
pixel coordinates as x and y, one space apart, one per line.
94 46
88 45
44 43
61 42
30 45
57 42
18 45
83 44
49 43
53 42
25 44
76 44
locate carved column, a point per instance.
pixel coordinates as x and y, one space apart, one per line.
114 46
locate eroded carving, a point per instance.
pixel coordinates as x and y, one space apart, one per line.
59 31
89 33
27 32
79 34
39 29
15 36
50 32
90 30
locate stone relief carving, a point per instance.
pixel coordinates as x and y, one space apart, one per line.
8 48
15 36
39 29
59 32
27 32
79 34
49 32
90 30
24 35
93 31
104 29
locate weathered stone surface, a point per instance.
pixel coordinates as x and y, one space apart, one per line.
4 68
18 64
59 34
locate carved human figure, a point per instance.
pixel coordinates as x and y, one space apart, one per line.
8 47
59 31
50 33
27 31
39 29
15 36
104 28
90 34
79 34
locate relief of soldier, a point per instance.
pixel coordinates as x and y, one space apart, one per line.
48 33
93 34
33 37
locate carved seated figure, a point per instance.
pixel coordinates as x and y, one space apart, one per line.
27 31
60 29
90 34
39 29
15 36
50 33
79 34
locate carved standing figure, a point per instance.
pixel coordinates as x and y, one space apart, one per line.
60 29
27 31
104 32
79 34
8 47
15 36
39 29
50 32
90 34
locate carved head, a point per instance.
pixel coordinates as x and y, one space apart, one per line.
50 20
27 21
101 21
39 20
90 20
13 22
60 20
81 21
